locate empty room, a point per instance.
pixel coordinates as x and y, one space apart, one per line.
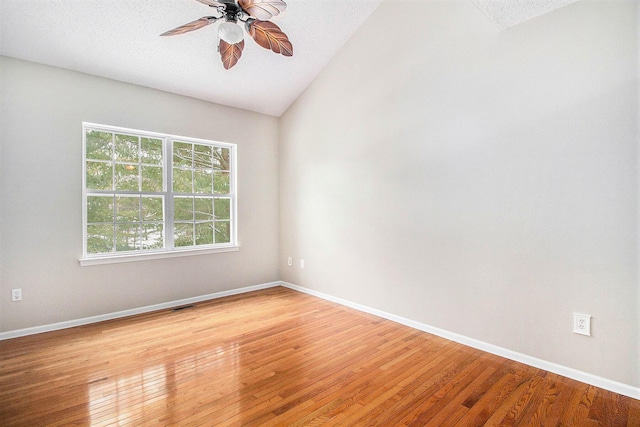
320 212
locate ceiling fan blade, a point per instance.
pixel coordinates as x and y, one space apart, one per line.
270 36
211 3
198 23
230 53
263 9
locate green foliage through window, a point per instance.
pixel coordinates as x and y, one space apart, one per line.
128 193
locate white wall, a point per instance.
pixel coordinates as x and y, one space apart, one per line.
41 196
638 196
478 181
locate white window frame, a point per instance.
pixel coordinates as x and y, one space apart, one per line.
168 250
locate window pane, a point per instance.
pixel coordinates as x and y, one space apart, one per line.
183 235
204 233
126 148
183 209
152 209
127 237
152 179
221 182
151 151
100 209
204 209
99 239
182 181
202 181
133 180
99 145
99 176
222 208
202 156
221 158
127 178
127 209
223 233
152 236
182 154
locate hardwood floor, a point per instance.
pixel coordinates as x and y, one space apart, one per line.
281 358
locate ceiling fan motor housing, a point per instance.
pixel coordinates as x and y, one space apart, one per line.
232 12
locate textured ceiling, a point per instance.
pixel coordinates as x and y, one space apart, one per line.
507 13
119 39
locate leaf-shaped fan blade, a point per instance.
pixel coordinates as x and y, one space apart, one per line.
211 3
230 53
262 9
270 36
202 22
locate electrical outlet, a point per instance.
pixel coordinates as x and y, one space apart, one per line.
16 294
290 262
582 324
301 263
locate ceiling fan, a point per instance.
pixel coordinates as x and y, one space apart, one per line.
255 15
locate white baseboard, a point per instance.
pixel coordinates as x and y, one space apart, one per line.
118 314
575 374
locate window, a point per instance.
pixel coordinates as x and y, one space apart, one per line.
148 194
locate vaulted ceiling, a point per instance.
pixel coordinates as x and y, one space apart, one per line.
119 39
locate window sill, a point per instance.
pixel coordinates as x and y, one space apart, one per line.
113 259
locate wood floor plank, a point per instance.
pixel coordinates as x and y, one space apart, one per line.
277 357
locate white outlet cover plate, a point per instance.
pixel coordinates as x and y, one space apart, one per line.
582 324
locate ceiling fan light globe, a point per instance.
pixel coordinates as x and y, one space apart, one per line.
230 32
